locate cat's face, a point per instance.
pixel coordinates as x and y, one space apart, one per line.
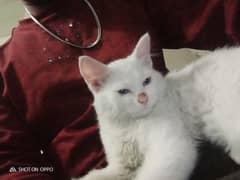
128 87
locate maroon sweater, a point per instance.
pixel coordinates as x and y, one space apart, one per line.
47 106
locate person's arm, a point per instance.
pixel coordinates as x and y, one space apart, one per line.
20 156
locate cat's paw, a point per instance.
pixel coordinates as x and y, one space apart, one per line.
75 178
235 154
86 178
96 175
235 157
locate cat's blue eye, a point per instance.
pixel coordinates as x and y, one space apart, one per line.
123 91
147 81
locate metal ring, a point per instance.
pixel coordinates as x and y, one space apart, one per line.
99 36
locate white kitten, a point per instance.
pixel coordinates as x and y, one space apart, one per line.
140 124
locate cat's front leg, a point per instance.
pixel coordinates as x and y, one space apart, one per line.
168 162
108 173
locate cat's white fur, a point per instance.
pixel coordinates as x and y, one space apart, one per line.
207 93
142 141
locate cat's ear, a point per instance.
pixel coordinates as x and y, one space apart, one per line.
93 72
142 50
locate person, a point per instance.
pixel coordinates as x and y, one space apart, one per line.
47 123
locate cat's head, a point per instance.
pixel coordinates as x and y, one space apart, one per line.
126 88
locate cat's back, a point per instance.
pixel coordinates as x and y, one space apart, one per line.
219 64
208 87
218 69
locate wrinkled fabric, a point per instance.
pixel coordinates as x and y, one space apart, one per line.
203 24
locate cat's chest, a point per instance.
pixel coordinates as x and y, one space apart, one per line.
131 153
133 147
127 144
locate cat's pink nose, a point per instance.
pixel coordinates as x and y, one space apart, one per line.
142 98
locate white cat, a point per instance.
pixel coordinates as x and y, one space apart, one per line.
140 121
